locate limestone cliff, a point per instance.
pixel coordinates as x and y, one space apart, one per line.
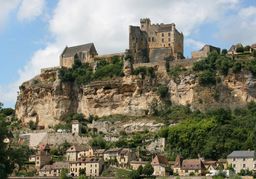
46 99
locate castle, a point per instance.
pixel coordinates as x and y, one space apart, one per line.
154 42
148 43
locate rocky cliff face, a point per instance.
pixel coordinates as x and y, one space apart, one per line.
46 99
234 90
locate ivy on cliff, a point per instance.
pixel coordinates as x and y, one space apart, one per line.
83 73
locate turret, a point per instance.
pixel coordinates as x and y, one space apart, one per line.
144 24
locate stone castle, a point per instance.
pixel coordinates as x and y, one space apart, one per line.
153 42
149 43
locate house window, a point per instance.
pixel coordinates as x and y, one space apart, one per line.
234 159
234 165
162 34
254 165
169 39
244 165
243 159
162 40
169 34
149 39
153 39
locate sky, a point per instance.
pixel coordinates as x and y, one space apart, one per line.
34 32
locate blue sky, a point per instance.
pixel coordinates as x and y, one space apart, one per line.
33 32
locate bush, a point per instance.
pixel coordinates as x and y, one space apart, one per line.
240 49
98 142
148 71
237 67
207 78
224 51
32 125
162 91
148 169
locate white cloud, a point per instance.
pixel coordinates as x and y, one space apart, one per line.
194 44
6 7
106 24
239 27
30 9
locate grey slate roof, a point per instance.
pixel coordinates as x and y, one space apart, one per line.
241 154
71 51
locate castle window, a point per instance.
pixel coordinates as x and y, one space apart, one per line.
142 25
162 34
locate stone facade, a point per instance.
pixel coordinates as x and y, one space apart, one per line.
202 53
145 41
85 53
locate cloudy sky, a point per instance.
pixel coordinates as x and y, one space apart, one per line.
34 32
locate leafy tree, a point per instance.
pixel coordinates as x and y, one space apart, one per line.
64 174
224 51
148 169
82 177
98 142
237 67
140 170
134 174
32 125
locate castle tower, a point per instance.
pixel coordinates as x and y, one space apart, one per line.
76 127
145 24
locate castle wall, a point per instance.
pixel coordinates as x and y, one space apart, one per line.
138 45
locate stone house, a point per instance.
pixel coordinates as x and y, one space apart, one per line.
53 170
146 41
136 164
99 153
111 154
160 165
92 166
42 156
76 127
243 159
73 151
194 166
125 156
204 52
85 53
189 166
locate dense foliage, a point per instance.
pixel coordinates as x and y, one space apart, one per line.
12 155
215 64
145 71
213 134
83 73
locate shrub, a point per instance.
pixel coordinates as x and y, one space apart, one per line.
207 78
148 169
240 49
148 71
162 91
224 51
237 67
32 125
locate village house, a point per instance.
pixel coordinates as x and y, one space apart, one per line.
111 154
42 156
91 166
204 52
189 167
160 165
243 159
136 164
99 153
53 170
72 153
125 156
85 53
76 127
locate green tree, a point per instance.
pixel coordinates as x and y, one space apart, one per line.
224 51
140 169
148 169
82 177
134 174
207 78
64 174
98 142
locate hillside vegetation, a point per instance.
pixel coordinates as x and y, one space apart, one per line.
213 134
